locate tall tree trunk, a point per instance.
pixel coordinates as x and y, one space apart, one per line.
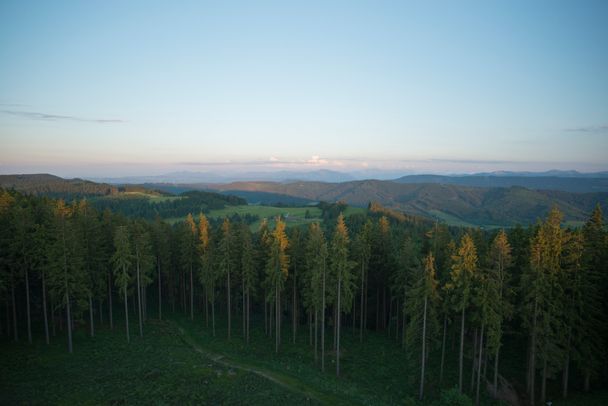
8 318
566 367
110 300
228 302
191 294
366 298
248 312
496 371
265 315
69 319
532 376
127 314
323 324
206 306
243 306
27 300
423 355
141 327
100 311
403 319
361 304
213 307
390 314
586 385
338 327
91 325
309 328
461 349
316 333
294 311
445 325
543 388
479 366
377 309
44 309
473 363
276 312
14 307
54 329
566 377
160 294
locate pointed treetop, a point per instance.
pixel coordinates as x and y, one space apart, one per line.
203 231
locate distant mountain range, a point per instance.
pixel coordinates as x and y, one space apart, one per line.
569 181
322 175
454 203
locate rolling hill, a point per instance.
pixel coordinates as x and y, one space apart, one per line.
550 181
455 204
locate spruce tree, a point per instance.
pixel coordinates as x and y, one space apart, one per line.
277 270
123 260
464 268
341 269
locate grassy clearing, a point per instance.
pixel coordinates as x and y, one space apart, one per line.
180 362
375 372
159 368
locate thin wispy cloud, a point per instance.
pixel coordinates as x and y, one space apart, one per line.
34 115
591 129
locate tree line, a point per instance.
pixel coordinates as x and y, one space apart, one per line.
536 290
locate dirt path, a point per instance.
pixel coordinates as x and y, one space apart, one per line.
276 377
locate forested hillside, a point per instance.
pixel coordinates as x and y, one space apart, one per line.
578 183
455 204
465 314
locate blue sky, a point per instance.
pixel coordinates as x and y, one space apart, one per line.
110 88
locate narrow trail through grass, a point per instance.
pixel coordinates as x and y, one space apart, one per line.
278 378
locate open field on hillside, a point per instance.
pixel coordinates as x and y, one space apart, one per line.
293 216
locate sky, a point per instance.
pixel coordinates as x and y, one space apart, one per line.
119 88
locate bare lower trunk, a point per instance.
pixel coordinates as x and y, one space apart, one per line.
141 327
445 325
461 350
243 307
479 365
338 329
276 312
587 385
323 325
496 372
92 326
423 355
543 388
532 370
160 293
54 330
44 310
361 304
213 309
473 363
316 334
294 312
69 320
127 314
565 377
191 295
27 300
14 307
248 312
228 302
110 300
